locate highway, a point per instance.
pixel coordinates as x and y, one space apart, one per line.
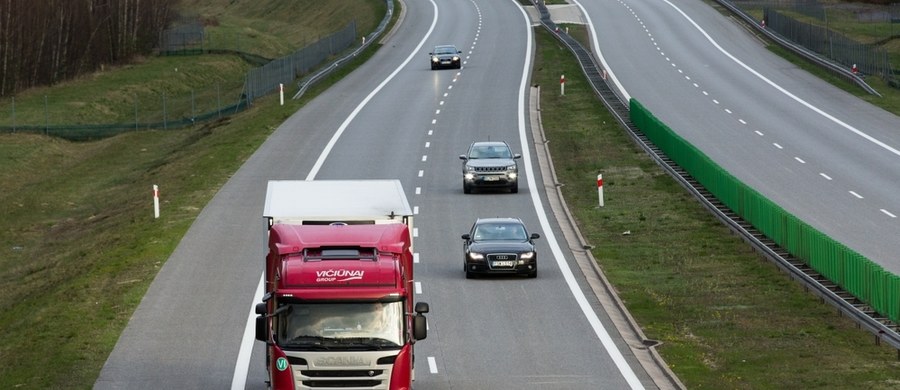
394 118
824 155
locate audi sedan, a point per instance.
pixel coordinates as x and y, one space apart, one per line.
499 246
445 56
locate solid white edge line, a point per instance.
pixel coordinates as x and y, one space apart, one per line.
586 308
242 365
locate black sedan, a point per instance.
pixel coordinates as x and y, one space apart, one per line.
445 56
499 246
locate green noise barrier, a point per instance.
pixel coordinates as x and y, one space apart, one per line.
867 281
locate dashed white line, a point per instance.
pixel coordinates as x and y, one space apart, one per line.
421 173
418 288
415 210
758 132
427 144
416 257
430 131
424 158
415 232
800 160
437 112
825 176
888 213
743 122
441 103
418 190
432 365
777 145
715 101
433 121
858 196
705 93
728 111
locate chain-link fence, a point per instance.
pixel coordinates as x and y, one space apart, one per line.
815 25
166 110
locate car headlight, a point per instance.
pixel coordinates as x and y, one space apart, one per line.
470 168
469 175
435 59
455 58
526 256
512 168
476 256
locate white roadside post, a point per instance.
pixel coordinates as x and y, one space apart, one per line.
281 93
562 85
600 188
155 201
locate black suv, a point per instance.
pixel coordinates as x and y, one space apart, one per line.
445 56
490 164
499 245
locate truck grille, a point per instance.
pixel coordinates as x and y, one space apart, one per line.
328 379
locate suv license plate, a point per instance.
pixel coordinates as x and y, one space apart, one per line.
503 263
491 178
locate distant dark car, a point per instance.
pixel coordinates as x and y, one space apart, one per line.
499 246
490 164
445 56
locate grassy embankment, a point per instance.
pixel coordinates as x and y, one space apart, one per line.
726 317
79 245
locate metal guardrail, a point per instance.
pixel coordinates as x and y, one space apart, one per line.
809 55
827 291
334 65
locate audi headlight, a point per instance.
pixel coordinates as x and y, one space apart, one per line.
455 58
476 256
526 256
435 59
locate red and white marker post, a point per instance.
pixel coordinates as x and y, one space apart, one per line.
600 188
854 69
155 201
562 85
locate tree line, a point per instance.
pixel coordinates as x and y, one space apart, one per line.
43 42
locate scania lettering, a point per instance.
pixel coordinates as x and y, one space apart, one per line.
338 308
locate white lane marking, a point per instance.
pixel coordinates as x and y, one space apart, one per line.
415 210
431 131
427 144
433 121
415 232
888 213
777 145
780 88
424 158
416 257
743 122
800 160
418 288
432 365
715 101
728 111
437 112
825 176
421 173
242 365
759 132
441 103
418 190
575 289
858 196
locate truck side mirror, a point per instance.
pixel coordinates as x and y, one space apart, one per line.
420 326
421 307
260 308
261 331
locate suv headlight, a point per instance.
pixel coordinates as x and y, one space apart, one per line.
470 168
512 168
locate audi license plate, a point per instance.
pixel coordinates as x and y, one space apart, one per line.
503 263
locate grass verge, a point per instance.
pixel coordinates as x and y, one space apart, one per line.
80 246
726 317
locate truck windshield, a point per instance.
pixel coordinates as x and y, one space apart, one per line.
344 325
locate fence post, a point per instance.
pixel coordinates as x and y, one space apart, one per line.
14 113
46 117
218 100
165 116
135 113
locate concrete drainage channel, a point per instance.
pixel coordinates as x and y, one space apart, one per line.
879 325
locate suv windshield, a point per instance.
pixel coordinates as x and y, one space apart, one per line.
490 151
325 326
